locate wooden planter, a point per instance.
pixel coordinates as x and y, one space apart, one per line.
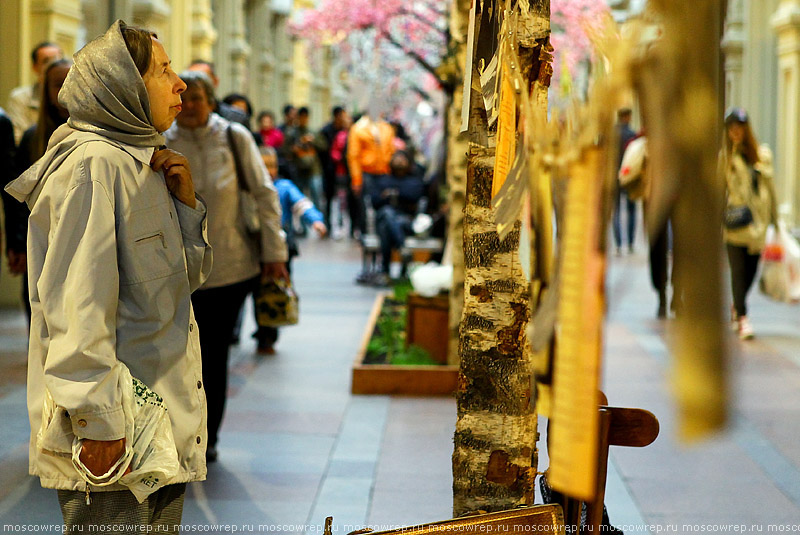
389 379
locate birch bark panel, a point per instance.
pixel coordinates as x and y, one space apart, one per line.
495 440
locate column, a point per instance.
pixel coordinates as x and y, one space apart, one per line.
786 23
54 20
15 43
262 59
179 41
733 47
231 50
203 34
284 71
153 15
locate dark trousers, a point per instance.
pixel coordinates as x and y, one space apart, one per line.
216 311
368 179
329 192
743 272
353 210
392 226
631 211
659 262
161 510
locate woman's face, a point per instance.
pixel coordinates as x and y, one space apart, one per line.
196 108
55 79
164 88
736 133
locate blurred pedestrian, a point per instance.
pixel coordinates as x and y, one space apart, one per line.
33 145
302 145
625 134
116 246
213 145
751 193
289 118
242 103
23 103
271 135
345 197
292 202
14 240
397 197
370 145
231 113
339 121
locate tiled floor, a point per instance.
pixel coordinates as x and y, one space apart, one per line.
296 447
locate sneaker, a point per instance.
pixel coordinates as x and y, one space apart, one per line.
745 329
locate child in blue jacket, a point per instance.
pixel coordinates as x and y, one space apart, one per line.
292 202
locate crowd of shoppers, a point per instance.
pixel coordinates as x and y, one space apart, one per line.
131 175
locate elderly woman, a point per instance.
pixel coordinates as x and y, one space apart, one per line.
209 141
116 245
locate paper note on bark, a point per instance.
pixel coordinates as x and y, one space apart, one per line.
506 131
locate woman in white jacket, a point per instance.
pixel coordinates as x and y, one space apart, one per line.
206 139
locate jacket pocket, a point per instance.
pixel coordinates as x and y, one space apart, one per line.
149 246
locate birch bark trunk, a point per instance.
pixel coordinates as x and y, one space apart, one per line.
494 457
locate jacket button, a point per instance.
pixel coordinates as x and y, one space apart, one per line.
82 423
198 440
199 384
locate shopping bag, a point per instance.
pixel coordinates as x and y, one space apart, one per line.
276 304
780 272
150 450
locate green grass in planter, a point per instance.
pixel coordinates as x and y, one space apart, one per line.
413 356
387 345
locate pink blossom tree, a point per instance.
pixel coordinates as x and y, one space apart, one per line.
570 21
397 44
417 31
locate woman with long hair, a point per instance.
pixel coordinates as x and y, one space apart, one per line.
31 147
751 195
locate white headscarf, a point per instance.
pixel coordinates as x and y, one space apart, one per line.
105 93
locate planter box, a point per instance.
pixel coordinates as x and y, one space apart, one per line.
389 379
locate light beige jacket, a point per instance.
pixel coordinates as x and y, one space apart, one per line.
762 200
112 261
214 173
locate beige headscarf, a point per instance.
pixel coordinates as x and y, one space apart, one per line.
105 94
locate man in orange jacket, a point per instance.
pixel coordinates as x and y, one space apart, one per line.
369 150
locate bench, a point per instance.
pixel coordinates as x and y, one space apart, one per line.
417 249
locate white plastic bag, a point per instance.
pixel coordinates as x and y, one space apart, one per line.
780 272
150 450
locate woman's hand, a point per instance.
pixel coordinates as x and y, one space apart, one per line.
274 270
176 173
